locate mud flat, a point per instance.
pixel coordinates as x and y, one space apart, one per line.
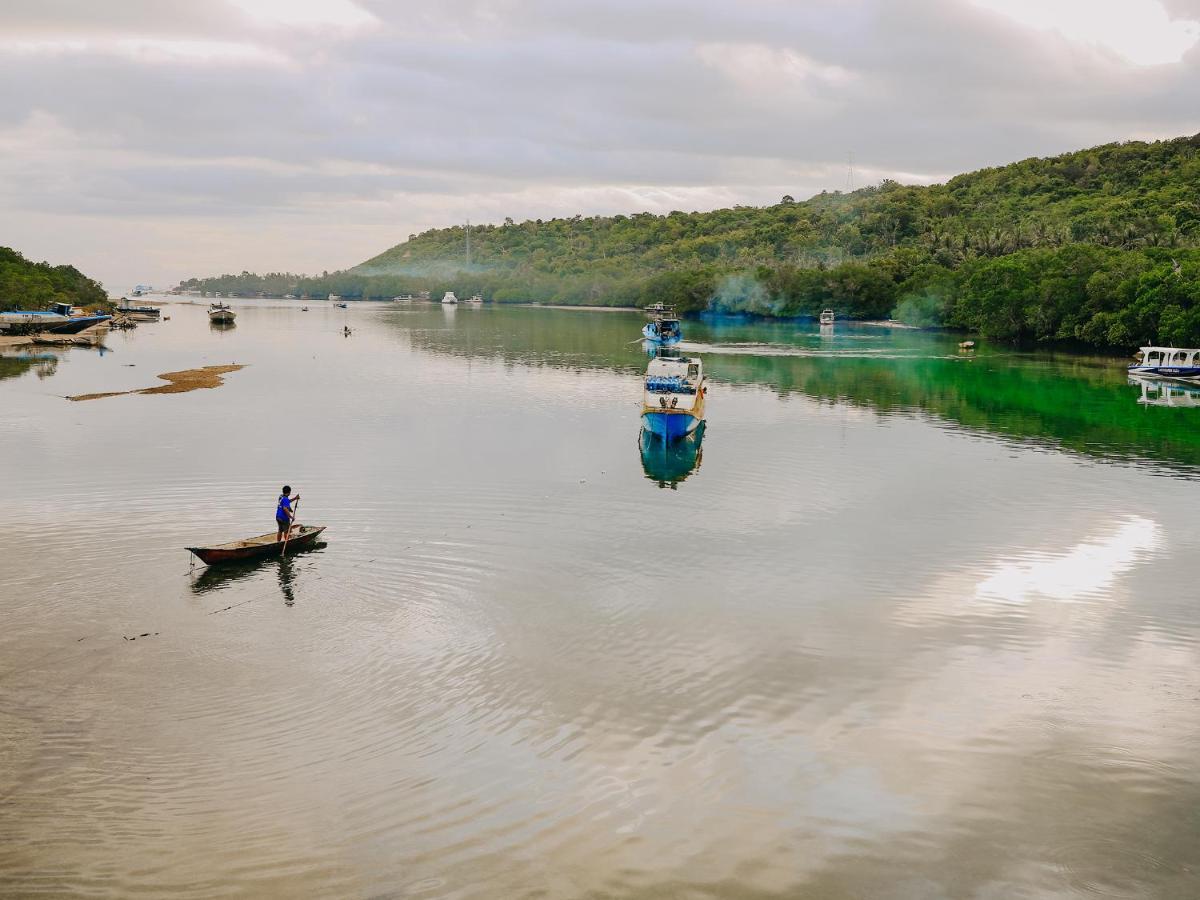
177 382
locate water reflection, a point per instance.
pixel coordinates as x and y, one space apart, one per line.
1166 393
16 364
670 462
223 577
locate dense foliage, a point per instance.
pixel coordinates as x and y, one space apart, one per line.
29 285
1098 246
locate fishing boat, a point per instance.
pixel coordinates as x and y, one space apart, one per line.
663 327
1167 362
221 314
140 313
22 321
827 317
673 396
302 538
449 298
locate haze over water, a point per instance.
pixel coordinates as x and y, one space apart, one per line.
904 624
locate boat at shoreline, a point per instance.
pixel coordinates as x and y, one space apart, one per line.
664 326
827 317
449 299
673 395
1167 362
302 538
21 321
221 314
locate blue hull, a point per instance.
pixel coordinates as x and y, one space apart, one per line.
1167 371
653 336
669 426
78 324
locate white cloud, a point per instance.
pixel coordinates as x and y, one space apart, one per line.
1138 30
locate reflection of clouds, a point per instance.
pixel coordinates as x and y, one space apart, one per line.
1087 569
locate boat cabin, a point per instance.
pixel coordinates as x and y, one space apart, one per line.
674 375
1169 356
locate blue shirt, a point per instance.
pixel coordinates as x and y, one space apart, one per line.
283 513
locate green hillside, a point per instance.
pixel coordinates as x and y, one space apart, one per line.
1101 246
25 284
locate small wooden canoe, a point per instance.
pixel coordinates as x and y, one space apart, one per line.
303 537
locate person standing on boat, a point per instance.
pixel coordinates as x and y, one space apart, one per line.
284 513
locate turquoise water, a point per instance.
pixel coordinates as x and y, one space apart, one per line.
901 622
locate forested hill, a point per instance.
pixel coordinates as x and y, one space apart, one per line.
28 285
1100 245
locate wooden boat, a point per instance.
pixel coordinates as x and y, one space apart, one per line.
673 398
221 314
303 537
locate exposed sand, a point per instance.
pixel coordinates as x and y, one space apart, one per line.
178 382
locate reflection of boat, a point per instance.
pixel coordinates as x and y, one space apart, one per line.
670 462
1167 362
663 327
221 314
827 317
303 537
1167 393
449 298
673 396
219 578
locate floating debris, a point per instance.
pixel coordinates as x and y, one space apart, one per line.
179 382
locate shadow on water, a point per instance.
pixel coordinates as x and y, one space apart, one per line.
667 463
226 575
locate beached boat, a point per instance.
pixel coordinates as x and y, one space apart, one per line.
449 298
221 314
673 396
302 538
827 317
1167 362
20 321
663 327
76 324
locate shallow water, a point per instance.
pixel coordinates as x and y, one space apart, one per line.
900 623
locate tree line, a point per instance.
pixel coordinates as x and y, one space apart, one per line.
25 284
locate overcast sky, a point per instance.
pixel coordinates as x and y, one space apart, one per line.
150 140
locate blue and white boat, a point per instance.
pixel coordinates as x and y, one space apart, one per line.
1167 362
22 321
74 324
664 327
673 396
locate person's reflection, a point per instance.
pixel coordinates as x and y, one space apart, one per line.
287 576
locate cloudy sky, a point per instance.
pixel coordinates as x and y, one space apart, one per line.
149 140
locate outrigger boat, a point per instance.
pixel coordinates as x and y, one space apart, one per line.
302 538
1167 362
663 327
673 396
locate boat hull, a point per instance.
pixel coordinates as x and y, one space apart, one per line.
652 335
670 424
78 324
1186 372
265 545
223 317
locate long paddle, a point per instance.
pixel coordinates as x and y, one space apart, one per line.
287 534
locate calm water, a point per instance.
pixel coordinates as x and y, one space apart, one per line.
901 624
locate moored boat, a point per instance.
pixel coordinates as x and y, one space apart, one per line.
21 321
449 298
673 396
827 317
302 538
475 298
664 326
221 314
1167 362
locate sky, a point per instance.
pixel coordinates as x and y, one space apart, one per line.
153 140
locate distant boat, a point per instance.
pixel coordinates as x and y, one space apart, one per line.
302 537
476 298
403 298
673 396
449 298
334 297
141 313
1167 362
664 327
827 317
341 305
221 314
304 309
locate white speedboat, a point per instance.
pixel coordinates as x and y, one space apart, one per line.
673 396
1167 362
827 317
449 298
